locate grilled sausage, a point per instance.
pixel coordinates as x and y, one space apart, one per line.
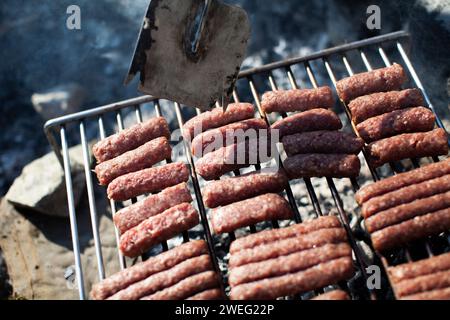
268 236
154 230
130 139
438 280
406 195
143 157
322 142
379 80
409 120
401 180
420 268
439 294
211 294
153 205
311 120
335 295
376 104
288 264
188 287
420 227
408 145
297 100
316 277
140 271
322 165
147 181
215 139
217 118
224 192
165 279
249 212
407 211
215 164
287 246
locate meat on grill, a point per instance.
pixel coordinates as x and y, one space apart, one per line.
154 230
215 139
334 295
215 164
291 263
210 294
311 120
142 270
153 205
401 180
217 118
249 212
414 229
165 279
297 100
406 195
322 165
420 268
409 120
130 139
143 157
147 181
376 104
427 279
187 287
226 191
408 145
322 142
379 80
287 246
407 211
290 284
268 236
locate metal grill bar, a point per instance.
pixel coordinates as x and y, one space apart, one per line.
61 150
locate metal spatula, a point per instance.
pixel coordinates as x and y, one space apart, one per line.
190 51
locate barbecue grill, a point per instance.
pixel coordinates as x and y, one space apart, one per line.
321 68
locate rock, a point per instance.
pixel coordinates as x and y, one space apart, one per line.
5 286
41 186
59 101
38 252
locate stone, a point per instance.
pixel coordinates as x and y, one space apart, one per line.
38 252
41 187
59 101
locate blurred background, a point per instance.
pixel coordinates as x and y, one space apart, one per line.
47 70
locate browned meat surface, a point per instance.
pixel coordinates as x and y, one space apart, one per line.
376 104
379 80
322 142
215 139
311 120
401 180
143 157
217 118
322 165
147 181
297 100
153 205
211 294
408 145
420 227
249 212
268 236
154 230
130 139
226 191
290 284
409 120
333 295
154 265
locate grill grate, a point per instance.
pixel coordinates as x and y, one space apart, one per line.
247 85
